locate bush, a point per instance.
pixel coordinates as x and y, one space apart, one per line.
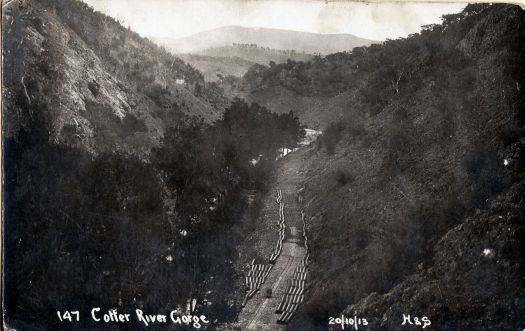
324 302
331 137
83 228
344 177
486 174
356 130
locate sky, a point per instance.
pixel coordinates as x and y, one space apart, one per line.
181 18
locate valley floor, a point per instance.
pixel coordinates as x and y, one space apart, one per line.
259 312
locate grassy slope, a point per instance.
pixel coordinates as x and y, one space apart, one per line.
105 86
397 194
212 66
316 112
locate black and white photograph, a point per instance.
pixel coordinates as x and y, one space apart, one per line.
294 165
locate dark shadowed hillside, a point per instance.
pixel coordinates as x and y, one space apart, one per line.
125 174
414 195
105 86
113 231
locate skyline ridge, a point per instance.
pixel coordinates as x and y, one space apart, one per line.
279 39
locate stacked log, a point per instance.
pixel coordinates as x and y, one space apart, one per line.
282 228
306 254
294 295
255 278
259 272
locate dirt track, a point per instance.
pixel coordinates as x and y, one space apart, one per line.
259 312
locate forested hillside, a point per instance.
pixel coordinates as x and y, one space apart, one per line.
119 191
414 195
113 231
369 76
213 67
256 53
105 86
236 59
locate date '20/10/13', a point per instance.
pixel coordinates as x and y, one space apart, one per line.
356 322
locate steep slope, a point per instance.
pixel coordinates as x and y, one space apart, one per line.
405 192
473 284
363 70
106 87
306 42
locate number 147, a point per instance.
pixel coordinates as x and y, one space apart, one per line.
70 316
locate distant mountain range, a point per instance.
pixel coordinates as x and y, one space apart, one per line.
306 42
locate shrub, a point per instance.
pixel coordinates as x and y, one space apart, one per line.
331 137
324 302
344 176
356 130
486 174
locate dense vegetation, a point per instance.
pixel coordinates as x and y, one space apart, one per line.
389 72
432 134
119 191
256 54
95 218
378 71
114 231
219 62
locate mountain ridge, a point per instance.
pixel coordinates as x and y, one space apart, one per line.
280 39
